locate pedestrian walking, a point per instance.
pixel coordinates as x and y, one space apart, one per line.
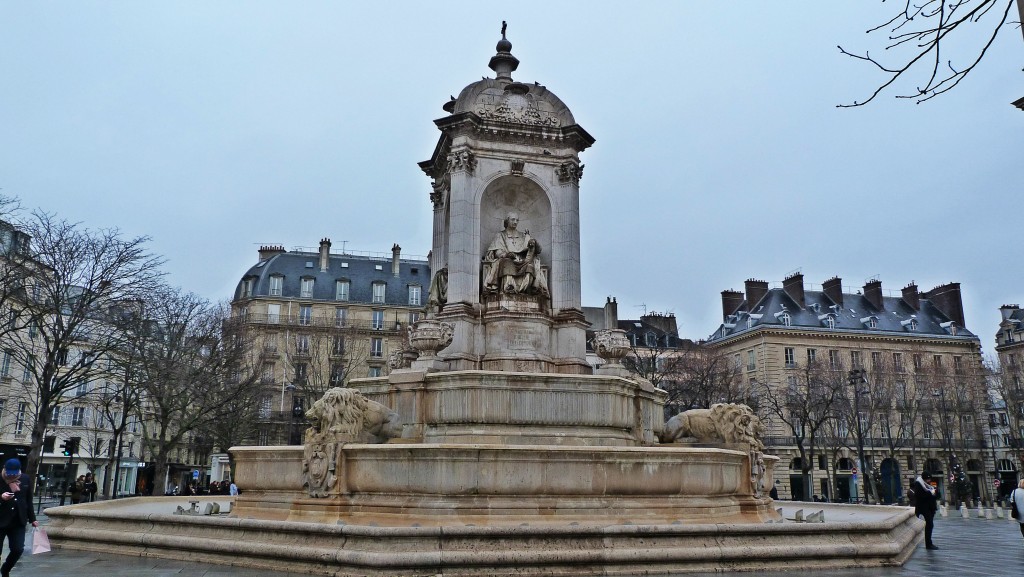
76 489
926 504
15 512
89 488
1017 497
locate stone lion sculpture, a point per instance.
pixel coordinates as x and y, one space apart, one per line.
345 415
722 422
341 416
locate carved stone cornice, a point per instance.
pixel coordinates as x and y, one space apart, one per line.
468 123
569 173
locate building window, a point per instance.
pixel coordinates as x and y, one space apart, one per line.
897 362
5 367
751 360
414 317
82 389
650 340
830 322
855 359
276 282
265 408
26 374
376 347
378 292
55 417
414 295
812 355
341 290
305 315
822 463
377 320
790 357
33 330
337 375
273 313
19 423
374 372
785 319
340 316
306 288
267 374
338 345
301 373
247 288
876 360
302 344
833 359
937 361
77 416
872 323
918 363
958 365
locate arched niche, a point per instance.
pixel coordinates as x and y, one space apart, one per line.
526 198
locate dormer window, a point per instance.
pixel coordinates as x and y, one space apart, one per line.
306 288
784 318
276 282
910 324
650 340
949 326
871 321
247 288
828 320
752 319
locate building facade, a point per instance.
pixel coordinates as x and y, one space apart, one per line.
918 404
1006 417
319 318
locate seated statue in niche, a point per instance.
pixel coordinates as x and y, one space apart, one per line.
438 295
511 262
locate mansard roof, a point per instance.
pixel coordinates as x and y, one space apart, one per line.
895 318
362 271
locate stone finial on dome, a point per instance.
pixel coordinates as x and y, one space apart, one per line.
503 63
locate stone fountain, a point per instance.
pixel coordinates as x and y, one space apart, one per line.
492 447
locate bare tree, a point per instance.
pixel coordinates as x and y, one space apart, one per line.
75 276
921 35
804 404
702 376
193 374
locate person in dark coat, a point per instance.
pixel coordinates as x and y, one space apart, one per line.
15 512
926 505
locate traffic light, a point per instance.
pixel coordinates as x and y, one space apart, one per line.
70 446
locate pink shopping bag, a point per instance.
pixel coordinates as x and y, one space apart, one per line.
40 542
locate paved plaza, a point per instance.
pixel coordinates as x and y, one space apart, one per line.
968 548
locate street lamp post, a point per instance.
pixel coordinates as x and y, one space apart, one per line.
856 379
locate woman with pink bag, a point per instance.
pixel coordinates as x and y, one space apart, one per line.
15 512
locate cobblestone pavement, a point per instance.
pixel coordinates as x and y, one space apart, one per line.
968 548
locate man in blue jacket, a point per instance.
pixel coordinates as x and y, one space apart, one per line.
15 512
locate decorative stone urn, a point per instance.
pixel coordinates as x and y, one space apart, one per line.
429 336
611 345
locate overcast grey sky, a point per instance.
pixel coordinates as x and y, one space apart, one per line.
215 127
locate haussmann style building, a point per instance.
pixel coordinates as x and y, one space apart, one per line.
919 403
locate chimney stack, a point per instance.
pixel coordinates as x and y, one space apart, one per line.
873 292
269 251
833 289
755 289
666 322
611 314
325 254
1008 310
912 296
396 254
731 302
794 287
947 299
